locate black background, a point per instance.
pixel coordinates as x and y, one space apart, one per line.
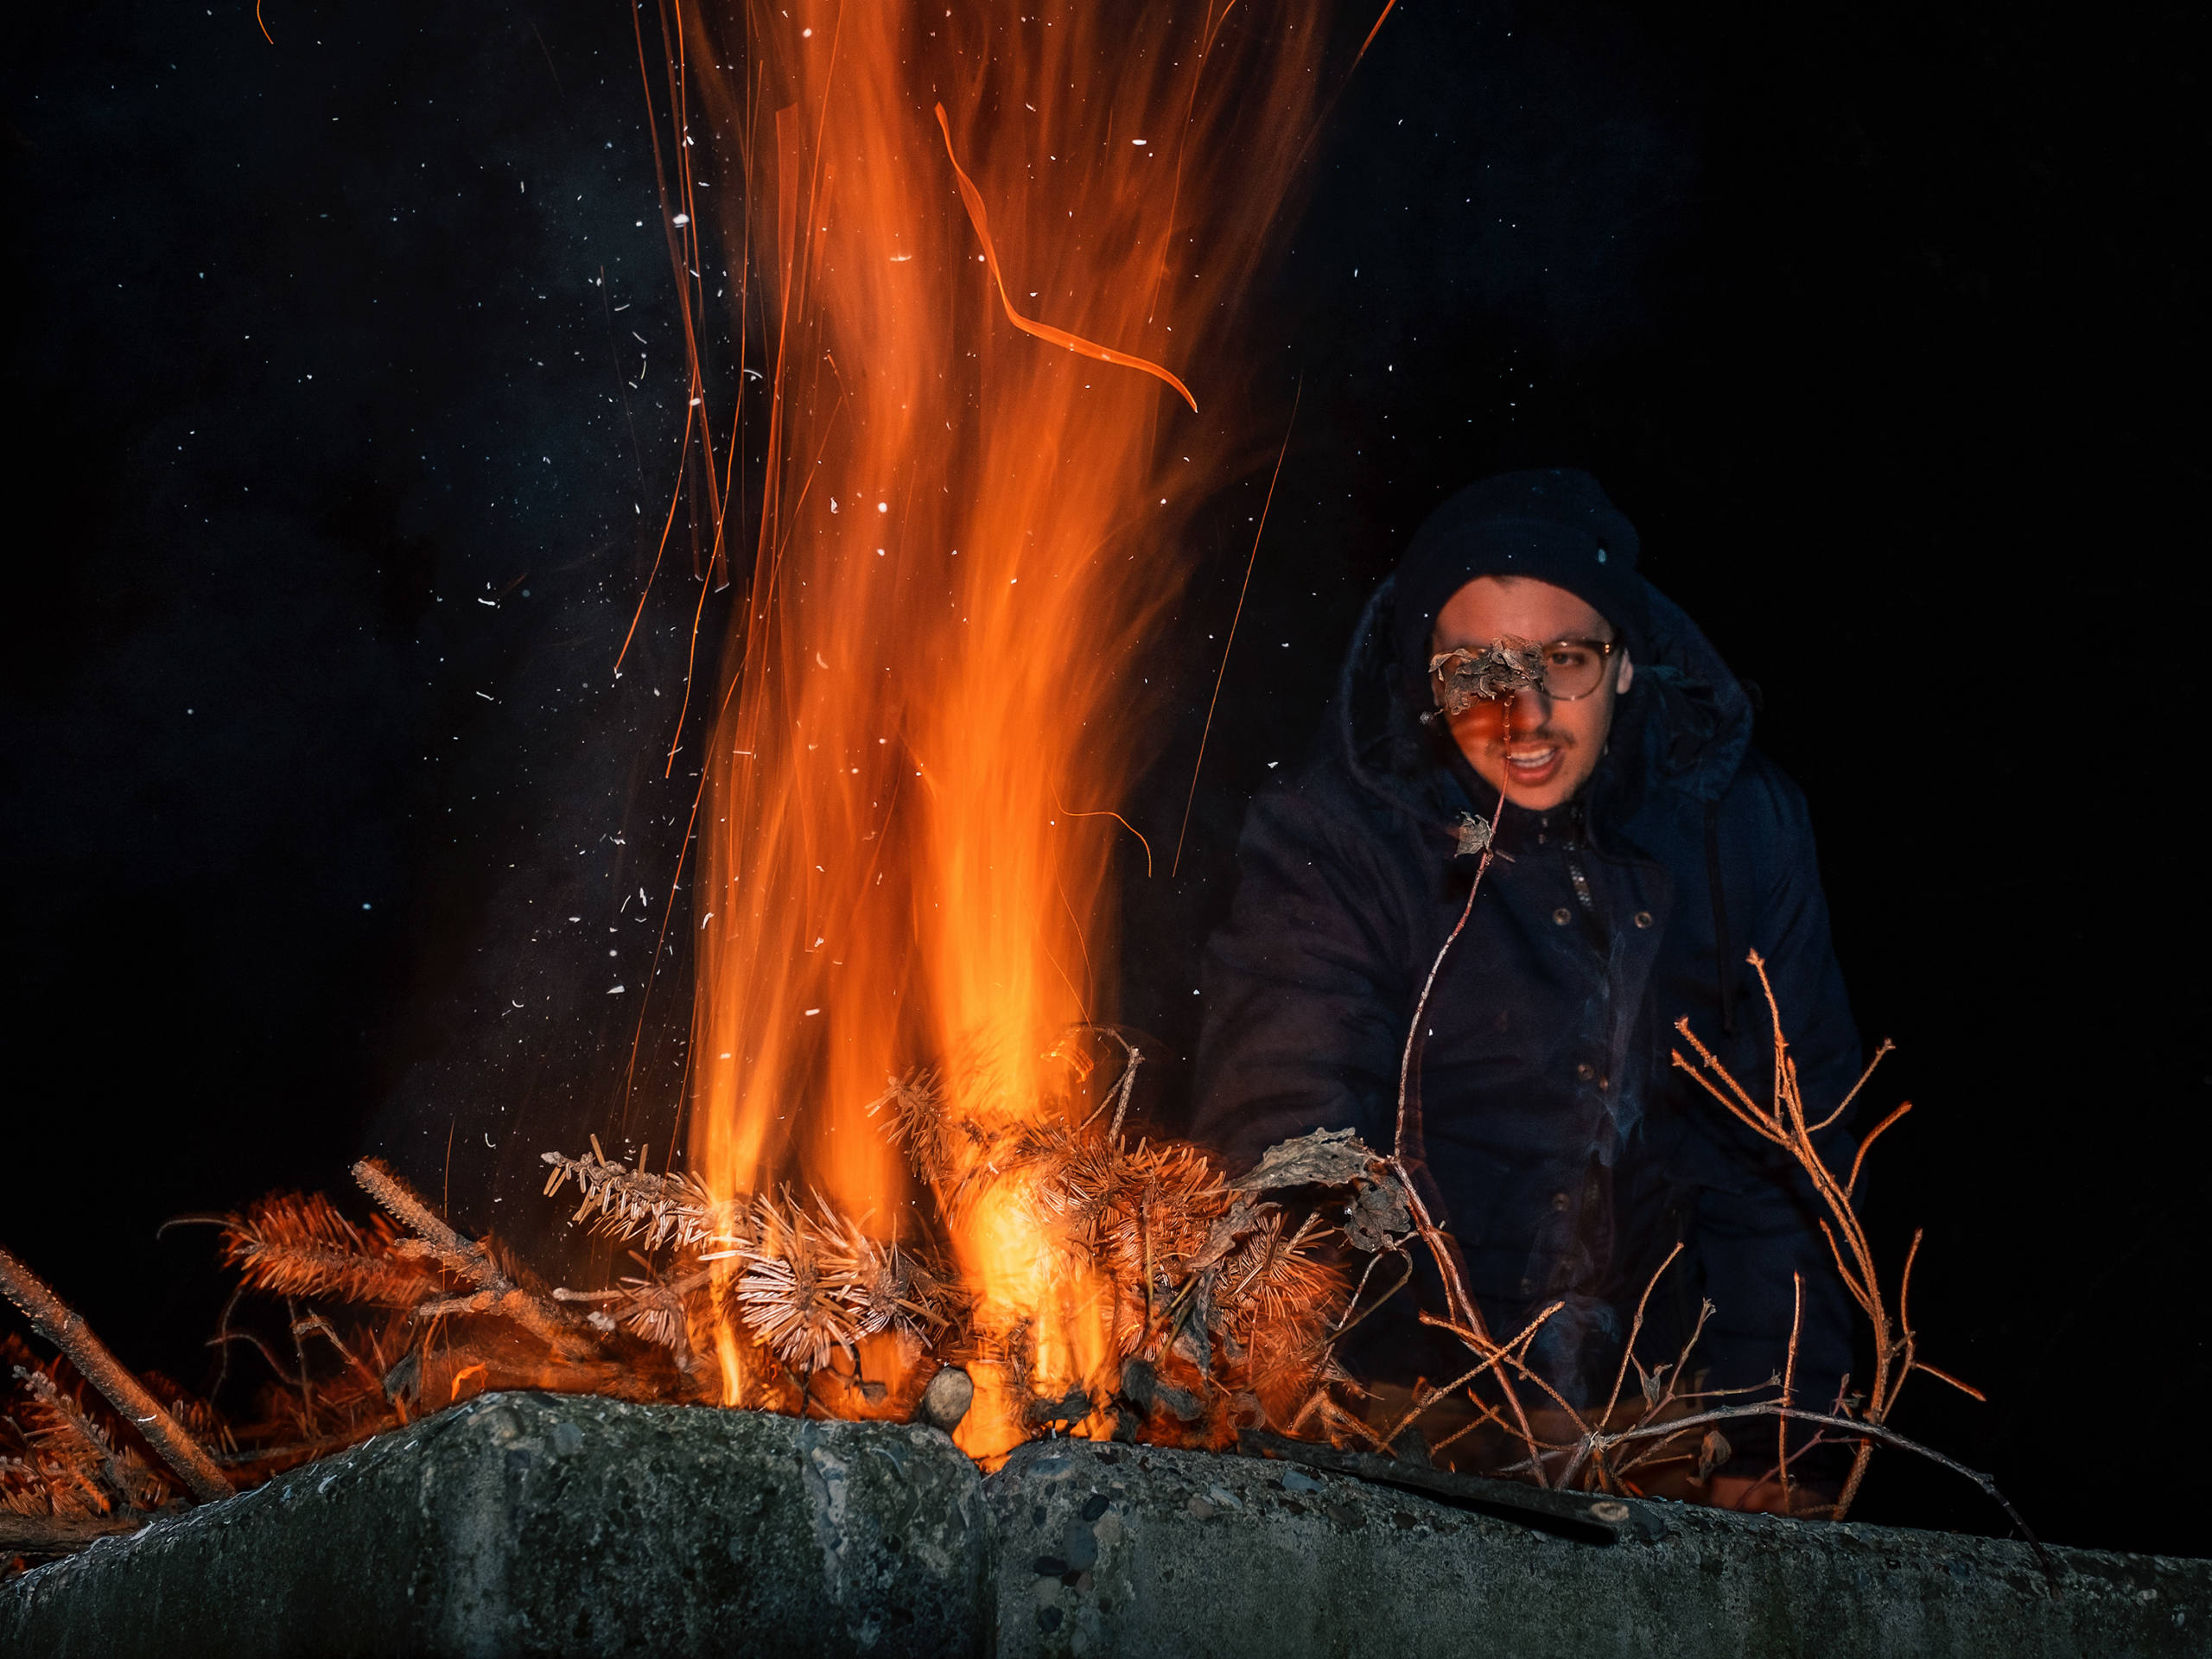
336 479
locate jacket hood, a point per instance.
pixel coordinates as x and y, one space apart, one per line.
1685 723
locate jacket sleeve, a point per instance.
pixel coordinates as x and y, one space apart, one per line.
1762 1234
1303 1000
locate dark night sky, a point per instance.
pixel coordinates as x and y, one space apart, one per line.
335 497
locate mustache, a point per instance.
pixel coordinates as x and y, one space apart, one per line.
1505 734
1503 741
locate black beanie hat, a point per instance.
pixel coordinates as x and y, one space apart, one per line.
1555 525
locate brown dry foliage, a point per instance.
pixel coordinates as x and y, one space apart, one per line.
1227 1299
298 1244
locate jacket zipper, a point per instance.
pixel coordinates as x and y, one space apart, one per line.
1581 885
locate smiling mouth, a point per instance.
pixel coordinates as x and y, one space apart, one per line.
1534 761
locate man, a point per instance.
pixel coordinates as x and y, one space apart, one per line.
1643 847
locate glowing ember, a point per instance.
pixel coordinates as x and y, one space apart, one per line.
968 538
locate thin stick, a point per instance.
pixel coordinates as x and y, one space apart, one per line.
1635 1330
1873 1136
1852 1427
1346 1322
65 1327
1221 673
495 1293
1844 1105
1459 1303
1420 1008
59 1534
1790 1384
300 1352
1904 1285
1966 1389
1425 1398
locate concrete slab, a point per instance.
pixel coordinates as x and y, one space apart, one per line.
533 1523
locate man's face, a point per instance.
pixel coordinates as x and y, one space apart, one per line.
1537 748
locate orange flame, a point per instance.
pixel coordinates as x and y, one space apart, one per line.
967 542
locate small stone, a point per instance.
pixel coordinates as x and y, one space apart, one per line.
945 1401
1297 1480
1050 1567
1048 1619
1200 1508
1094 1506
1082 1548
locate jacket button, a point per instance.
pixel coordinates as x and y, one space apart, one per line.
1562 916
1643 918
1585 1071
1528 1286
1559 1201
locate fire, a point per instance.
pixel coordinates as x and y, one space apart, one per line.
977 469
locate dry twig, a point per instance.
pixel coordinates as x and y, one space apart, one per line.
497 1294
1784 1122
65 1329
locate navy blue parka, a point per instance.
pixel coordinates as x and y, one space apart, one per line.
1568 1154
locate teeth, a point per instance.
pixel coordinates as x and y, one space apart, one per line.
1531 759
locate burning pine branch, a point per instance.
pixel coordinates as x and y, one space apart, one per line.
1217 1311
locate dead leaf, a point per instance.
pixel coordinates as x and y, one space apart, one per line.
1325 1158
1485 673
1378 1217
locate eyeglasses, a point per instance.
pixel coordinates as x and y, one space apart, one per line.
1566 671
